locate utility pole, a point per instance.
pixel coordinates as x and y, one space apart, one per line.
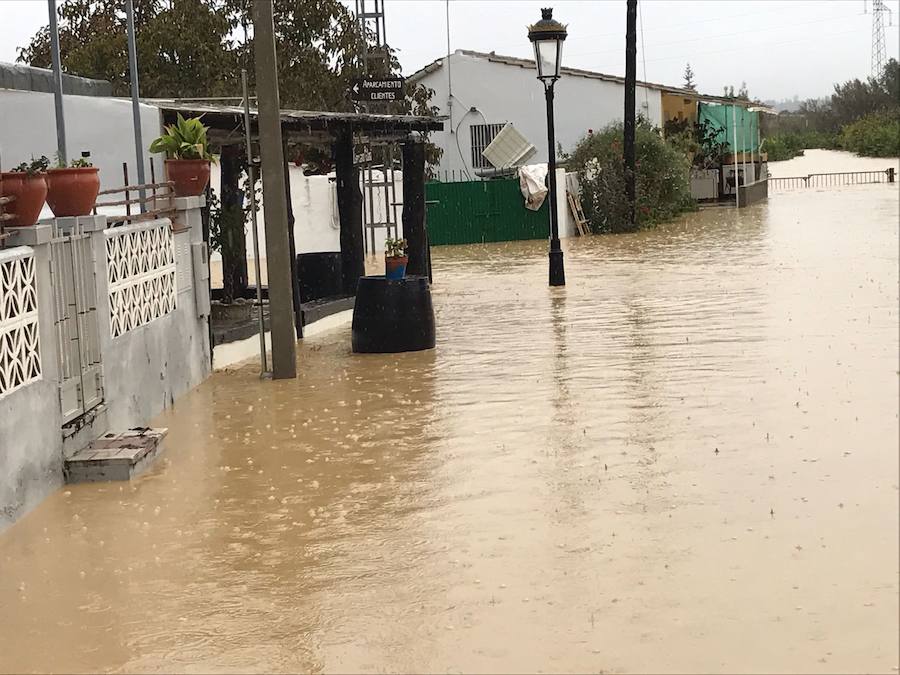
57 85
278 263
630 84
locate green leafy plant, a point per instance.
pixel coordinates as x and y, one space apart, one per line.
875 135
78 163
662 173
394 248
186 139
34 167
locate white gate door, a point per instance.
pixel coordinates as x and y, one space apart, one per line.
77 331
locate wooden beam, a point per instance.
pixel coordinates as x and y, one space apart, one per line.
353 264
414 207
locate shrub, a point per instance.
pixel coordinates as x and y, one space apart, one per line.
875 135
662 184
792 144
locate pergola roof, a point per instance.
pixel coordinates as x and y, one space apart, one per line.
226 122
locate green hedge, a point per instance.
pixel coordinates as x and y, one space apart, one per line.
792 144
663 188
876 135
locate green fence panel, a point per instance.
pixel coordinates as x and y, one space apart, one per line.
482 211
726 119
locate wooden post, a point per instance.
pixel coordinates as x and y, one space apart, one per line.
284 343
630 86
349 197
414 207
234 256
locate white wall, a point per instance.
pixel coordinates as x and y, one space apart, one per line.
102 126
316 218
510 93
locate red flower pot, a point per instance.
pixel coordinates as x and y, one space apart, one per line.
30 192
189 175
395 267
72 191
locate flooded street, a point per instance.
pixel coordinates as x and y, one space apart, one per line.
686 460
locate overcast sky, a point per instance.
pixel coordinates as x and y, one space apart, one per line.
779 47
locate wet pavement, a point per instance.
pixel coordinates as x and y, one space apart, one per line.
684 461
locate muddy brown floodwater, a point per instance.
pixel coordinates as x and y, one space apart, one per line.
684 461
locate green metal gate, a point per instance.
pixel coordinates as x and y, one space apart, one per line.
482 211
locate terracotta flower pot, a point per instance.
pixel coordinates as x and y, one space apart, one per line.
395 267
189 175
30 192
72 191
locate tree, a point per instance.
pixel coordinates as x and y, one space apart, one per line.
855 99
172 62
197 48
689 78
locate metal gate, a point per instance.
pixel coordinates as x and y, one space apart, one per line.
473 212
72 268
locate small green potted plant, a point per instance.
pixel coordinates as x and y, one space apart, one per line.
187 155
395 258
27 183
72 190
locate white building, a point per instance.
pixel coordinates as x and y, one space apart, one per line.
481 92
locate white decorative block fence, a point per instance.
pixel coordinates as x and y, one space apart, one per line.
20 352
140 267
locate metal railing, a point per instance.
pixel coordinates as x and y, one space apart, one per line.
837 179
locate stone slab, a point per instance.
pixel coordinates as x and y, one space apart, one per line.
115 456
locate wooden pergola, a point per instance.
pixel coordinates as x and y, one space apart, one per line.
337 131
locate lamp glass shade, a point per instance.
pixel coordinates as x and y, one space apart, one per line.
546 55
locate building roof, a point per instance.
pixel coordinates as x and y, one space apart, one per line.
29 78
303 123
578 72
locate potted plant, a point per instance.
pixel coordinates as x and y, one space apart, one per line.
187 155
395 258
72 190
27 183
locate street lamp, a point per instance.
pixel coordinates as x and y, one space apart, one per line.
547 36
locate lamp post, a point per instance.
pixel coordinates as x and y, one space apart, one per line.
547 36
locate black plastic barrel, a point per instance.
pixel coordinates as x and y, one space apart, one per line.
393 315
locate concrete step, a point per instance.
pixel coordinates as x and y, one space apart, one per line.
115 456
78 433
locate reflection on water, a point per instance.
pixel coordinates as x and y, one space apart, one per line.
686 460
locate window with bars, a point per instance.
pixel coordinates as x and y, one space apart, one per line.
481 136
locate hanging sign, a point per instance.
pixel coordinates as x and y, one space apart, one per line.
377 89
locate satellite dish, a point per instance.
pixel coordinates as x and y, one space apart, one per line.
509 148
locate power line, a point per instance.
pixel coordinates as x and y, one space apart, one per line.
765 44
714 37
593 36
